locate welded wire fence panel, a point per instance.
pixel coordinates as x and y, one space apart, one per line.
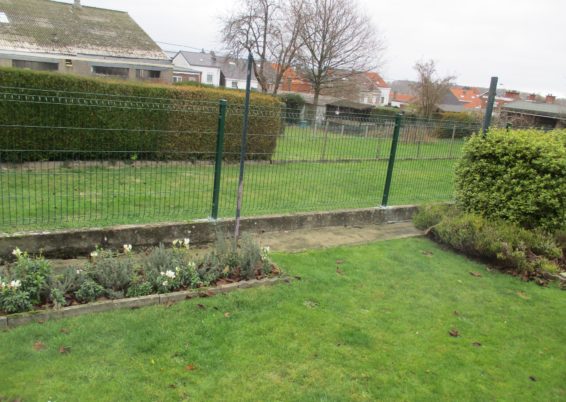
426 156
324 163
79 159
73 159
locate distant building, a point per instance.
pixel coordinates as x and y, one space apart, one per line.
469 96
51 36
216 70
529 113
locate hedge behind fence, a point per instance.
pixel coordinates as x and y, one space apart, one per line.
50 116
519 176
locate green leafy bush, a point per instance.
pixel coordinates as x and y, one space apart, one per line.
518 176
461 124
89 291
524 251
430 215
33 274
57 116
14 299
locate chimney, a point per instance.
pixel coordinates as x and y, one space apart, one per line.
550 99
77 3
532 97
515 95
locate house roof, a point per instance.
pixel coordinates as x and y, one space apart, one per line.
468 95
377 79
402 98
45 26
202 59
542 109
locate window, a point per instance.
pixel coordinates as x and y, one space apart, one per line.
382 100
69 63
235 84
110 71
209 78
147 74
4 18
177 78
35 65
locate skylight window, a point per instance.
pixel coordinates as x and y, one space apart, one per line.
4 18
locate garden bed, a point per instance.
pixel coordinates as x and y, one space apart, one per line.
111 279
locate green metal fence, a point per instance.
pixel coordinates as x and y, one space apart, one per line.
335 161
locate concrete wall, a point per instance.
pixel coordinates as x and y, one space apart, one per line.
72 243
84 68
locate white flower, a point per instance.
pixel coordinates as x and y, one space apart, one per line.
192 265
17 252
165 283
94 254
79 271
2 285
265 249
176 242
170 274
15 284
186 242
177 269
127 248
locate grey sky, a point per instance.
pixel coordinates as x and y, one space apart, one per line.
521 41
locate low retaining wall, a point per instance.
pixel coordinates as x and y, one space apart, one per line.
76 242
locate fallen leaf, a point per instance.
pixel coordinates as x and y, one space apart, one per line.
64 349
173 386
201 306
454 332
523 295
227 314
456 313
476 274
310 304
476 344
339 271
339 262
190 367
38 345
532 378
64 330
426 253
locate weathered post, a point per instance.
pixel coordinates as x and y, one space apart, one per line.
490 103
218 158
391 163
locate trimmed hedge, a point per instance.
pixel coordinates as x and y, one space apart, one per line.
466 124
53 116
518 176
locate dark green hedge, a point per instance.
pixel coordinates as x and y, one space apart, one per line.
518 176
51 116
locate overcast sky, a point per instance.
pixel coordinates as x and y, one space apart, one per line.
523 42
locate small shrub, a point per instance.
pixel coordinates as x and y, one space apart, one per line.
111 271
250 257
57 297
69 281
518 176
524 251
140 289
429 215
162 260
89 291
14 299
33 274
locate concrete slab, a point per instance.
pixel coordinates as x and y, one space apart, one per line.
306 239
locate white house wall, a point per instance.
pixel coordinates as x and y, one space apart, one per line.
241 84
180 61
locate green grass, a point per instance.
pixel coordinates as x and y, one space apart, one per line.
378 331
52 195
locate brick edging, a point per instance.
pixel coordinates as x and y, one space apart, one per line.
40 316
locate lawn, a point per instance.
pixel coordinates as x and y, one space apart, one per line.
376 329
52 195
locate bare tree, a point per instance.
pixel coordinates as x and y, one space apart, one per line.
429 89
339 40
269 29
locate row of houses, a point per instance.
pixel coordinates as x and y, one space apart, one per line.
72 38
48 35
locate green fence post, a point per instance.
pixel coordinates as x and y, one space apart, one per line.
218 159
391 163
